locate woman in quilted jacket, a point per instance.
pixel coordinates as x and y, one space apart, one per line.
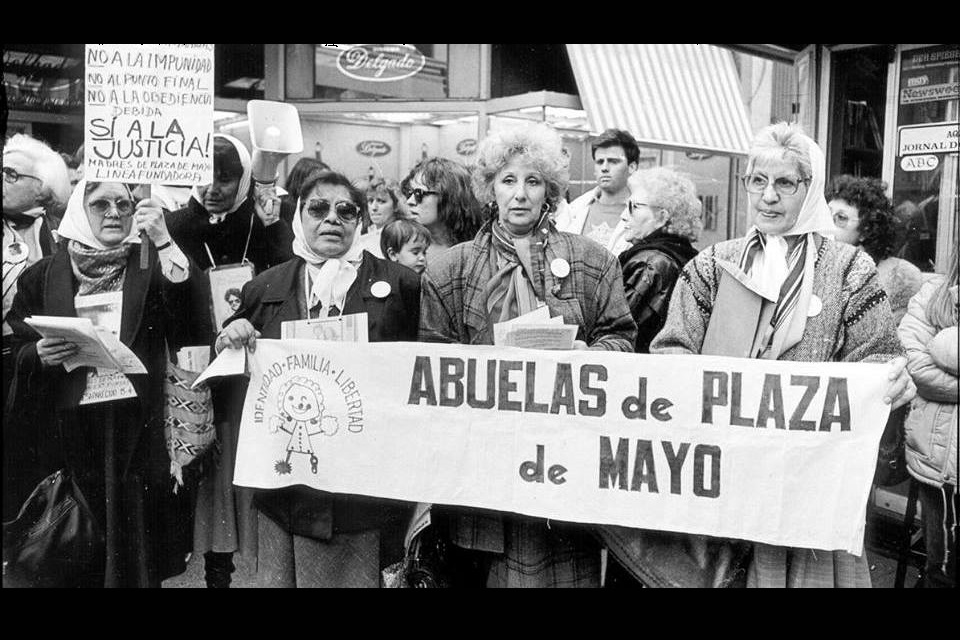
929 333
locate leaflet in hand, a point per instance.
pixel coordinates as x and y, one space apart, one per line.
536 330
98 349
230 362
352 328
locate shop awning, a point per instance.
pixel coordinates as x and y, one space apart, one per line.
678 95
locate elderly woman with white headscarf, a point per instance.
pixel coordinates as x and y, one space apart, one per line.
820 301
308 538
107 427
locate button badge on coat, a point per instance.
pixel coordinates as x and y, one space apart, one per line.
381 290
560 268
16 253
816 307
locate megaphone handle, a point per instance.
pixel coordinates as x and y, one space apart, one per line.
145 241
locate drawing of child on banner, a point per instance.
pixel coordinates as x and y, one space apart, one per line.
302 412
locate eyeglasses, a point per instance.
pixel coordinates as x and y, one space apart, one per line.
843 221
102 207
757 184
420 194
13 176
347 212
634 206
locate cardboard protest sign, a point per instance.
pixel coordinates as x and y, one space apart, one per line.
781 453
149 113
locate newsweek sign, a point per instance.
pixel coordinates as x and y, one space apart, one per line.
381 62
927 139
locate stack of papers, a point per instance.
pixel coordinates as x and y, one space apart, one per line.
536 330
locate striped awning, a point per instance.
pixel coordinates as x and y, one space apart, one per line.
677 95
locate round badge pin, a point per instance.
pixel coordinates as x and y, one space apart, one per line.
560 268
381 289
16 253
816 307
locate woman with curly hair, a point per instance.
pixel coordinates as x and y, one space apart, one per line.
440 198
865 218
518 263
663 218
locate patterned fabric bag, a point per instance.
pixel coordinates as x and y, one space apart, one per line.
188 420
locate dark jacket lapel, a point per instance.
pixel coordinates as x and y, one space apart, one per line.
280 297
136 285
59 291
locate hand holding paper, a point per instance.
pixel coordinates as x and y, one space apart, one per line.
231 362
93 348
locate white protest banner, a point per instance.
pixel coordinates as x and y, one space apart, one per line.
776 452
149 113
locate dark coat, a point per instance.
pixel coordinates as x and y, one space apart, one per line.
650 272
276 297
134 500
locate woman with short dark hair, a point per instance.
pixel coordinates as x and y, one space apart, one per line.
864 218
330 275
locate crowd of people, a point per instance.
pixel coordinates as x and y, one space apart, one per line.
462 249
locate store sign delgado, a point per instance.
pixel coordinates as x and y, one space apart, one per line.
374 149
381 62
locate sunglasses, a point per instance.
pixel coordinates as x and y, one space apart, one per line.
419 194
347 212
13 176
102 207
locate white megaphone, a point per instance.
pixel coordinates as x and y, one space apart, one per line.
275 133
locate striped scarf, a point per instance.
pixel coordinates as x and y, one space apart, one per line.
99 271
511 292
791 291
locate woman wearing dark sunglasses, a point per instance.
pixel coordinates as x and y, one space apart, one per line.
115 449
440 197
330 276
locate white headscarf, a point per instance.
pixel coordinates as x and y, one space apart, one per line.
770 268
243 191
76 225
331 277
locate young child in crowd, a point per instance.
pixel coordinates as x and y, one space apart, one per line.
406 242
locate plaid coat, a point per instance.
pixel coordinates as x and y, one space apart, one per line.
453 309
529 552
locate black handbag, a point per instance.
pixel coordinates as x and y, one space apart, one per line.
892 455
55 541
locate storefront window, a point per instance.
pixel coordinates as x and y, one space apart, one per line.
48 81
378 71
860 93
925 183
388 145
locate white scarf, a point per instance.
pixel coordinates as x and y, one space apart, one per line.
76 225
245 180
331 278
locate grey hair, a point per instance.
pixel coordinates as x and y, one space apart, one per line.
47 165
782 141
674 197
537 144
